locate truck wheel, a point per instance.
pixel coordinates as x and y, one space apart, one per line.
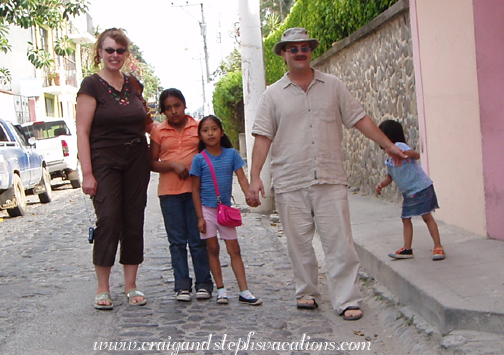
20 196
46 196
75 177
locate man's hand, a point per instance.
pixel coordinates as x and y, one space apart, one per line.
396 154
256 186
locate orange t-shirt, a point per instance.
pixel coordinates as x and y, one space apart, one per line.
176 147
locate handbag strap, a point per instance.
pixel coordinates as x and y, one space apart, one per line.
136 84
213 174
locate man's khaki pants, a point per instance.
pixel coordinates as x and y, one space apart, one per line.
324 208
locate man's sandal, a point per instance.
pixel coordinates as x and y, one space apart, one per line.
135 293
304 303
354 317
104 296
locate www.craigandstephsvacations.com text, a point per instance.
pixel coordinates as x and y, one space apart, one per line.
225 343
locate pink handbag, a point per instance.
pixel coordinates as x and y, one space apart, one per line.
226 215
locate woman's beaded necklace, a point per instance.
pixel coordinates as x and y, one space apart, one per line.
122 97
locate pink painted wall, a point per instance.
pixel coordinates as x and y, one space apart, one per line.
489 35
449 112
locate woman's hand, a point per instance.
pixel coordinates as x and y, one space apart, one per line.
89 185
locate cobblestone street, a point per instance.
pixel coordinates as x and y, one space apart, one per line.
47 286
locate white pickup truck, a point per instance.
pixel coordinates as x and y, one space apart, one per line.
56 140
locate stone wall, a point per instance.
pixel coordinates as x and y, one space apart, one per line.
376 63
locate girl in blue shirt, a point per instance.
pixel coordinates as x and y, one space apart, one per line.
419 197
225 161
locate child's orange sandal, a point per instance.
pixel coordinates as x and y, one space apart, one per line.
438 253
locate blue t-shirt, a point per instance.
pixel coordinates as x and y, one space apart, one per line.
224 165
409 177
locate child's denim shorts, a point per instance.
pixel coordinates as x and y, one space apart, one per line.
420 203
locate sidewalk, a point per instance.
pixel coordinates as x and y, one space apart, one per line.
462 292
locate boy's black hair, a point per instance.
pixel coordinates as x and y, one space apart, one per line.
393 130
224 142
167 93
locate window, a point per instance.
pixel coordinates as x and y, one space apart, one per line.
3 134
49 104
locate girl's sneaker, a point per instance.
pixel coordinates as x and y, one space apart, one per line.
402 254
250 299
222 296
222 300
438 253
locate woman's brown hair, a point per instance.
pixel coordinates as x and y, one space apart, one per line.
118 35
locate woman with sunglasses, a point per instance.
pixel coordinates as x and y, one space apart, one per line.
114 156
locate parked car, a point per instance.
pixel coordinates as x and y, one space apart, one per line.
57 142
22 170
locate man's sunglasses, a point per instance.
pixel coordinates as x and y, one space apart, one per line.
294 50
118 50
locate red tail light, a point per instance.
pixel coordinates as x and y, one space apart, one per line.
64 147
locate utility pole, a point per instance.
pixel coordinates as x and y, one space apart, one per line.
203 33
254 83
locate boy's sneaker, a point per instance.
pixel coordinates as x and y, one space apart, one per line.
203 294
183 295
402 254
438 253
250 299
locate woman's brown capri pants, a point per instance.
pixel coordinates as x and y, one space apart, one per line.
122 174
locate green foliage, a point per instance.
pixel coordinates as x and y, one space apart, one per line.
228 105
4 44
273 12
327 20
5 76
28 13
144 72
63 46
50 13
39 57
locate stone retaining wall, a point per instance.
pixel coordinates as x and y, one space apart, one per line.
376 63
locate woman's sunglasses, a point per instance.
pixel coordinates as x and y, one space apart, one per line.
118 50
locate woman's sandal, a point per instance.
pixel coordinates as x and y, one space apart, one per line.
303 304
354 317
104 296
135 293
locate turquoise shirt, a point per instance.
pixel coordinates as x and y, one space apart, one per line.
409 177
224 166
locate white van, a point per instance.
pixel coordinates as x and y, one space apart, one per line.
57 142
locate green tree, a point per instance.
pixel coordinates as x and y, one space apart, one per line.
273 13
228 105
28 13
145 72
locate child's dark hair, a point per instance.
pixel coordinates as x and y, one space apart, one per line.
167 93
224 142
393 130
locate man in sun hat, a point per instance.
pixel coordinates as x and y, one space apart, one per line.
293 35
300 118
